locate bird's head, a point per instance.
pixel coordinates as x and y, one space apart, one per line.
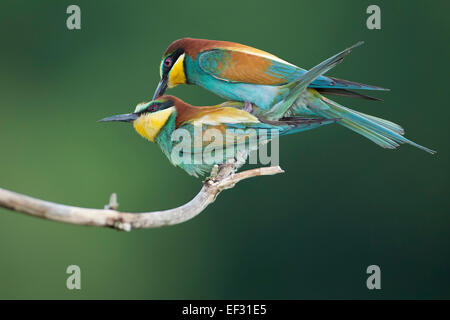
149 117
172 69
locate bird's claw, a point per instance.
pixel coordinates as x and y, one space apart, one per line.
248 107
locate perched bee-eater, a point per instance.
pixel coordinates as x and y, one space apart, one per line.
158 119
242 73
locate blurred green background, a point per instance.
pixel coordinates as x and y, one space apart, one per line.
342 205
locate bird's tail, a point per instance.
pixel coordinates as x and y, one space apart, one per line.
383 132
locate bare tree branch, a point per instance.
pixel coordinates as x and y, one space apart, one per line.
226 178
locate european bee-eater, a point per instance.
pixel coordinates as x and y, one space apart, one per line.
158 119
238 72
242 73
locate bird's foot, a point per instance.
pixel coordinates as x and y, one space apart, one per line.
248 107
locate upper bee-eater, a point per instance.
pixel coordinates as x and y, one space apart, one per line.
238 72
242 73
158 119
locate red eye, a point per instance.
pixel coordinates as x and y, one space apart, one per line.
153 107
168 62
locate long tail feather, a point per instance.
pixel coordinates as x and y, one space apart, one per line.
346 93
345 84
383 132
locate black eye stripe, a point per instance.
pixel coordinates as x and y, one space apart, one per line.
158 106
167 104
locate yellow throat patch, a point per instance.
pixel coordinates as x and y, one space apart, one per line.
148 125
176 74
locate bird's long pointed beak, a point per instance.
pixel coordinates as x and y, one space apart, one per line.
162 87
128 117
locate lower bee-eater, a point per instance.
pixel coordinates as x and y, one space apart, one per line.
157 121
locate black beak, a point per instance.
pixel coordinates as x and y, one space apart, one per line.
129 117
162 87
